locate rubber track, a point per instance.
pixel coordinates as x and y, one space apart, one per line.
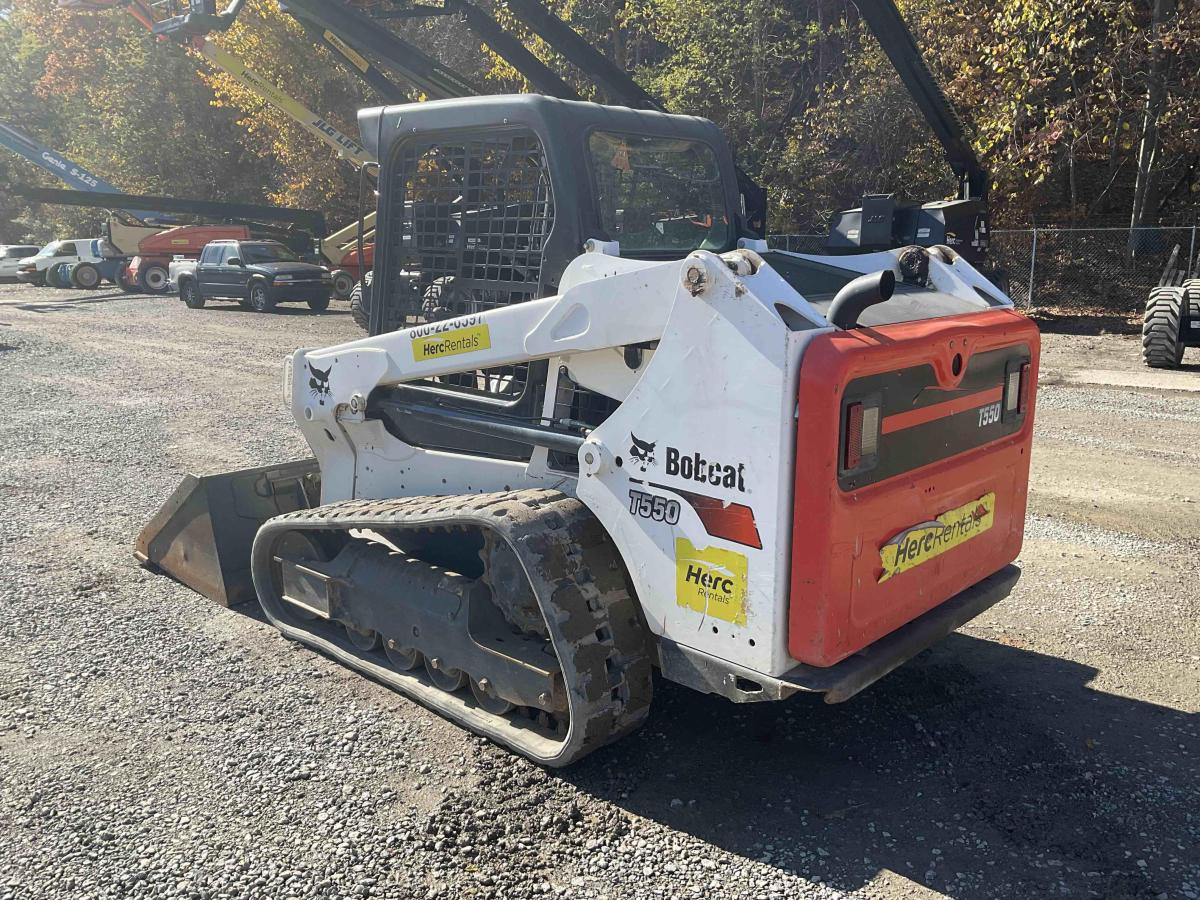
595 625
1161 347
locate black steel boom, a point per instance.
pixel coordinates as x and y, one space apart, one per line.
308 219
890 30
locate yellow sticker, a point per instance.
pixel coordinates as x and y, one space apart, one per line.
923 542
356 58
451 343
711 581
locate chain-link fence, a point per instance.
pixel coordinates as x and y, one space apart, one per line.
1104 269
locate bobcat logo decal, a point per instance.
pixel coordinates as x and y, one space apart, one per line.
318 384
642 451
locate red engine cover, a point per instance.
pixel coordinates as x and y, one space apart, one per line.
946 445
189 240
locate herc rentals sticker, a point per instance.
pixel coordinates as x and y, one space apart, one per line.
434 342
711 581
923 542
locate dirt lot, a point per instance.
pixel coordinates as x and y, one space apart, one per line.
152 744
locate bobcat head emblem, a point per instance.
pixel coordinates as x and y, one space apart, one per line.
642 451
318 383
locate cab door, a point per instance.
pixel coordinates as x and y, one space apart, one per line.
207 270
236 277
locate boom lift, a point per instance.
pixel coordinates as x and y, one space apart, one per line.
881 222
550 471
339 249
144 251
70 173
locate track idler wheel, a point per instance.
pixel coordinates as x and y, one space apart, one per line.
366 640
487 698
444 677
405 659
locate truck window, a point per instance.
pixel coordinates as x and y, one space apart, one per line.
267 253
67 249
659 194
209 255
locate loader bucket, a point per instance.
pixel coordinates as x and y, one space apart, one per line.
202 535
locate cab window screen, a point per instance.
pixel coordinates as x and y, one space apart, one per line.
659 194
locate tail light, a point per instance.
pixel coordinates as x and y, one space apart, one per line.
860 439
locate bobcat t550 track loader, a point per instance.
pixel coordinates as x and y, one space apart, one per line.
595 432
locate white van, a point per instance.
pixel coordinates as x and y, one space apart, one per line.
32 269
11 256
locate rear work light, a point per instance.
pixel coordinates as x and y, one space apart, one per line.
1016 390
861 440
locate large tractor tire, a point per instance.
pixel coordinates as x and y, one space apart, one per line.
360 302
153 279
124 282
59 276
343 284
86 276
1162 344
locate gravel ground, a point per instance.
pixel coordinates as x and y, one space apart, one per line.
155 745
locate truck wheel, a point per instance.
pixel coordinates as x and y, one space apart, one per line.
1162 347
153 279
360 302
192 298
260 297
319 304
343 284
86 276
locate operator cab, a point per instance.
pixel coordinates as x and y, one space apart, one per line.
484 201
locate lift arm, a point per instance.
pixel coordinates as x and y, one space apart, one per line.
889 28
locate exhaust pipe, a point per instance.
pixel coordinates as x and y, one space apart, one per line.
860 294
202 535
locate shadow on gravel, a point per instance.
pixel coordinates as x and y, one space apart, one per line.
298 309
1084 324
979 770
61 304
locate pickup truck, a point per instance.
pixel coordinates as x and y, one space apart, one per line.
258 274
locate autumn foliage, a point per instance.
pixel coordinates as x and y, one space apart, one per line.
1083 110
